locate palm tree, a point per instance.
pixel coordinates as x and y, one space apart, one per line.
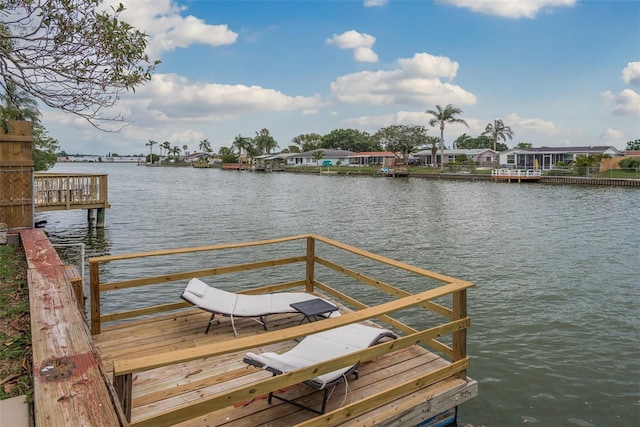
318 155
175 151
150 144
498 130
433 142
167 146
463 141
440 118
205 146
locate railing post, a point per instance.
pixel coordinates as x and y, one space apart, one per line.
311 256
460 337
94 288
124 385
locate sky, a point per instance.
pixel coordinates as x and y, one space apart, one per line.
558 72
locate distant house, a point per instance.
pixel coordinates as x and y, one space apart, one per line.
370 158
270 162
329 158
482 156
547 157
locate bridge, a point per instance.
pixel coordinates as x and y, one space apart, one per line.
63 191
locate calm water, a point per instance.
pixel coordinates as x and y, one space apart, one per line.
555 336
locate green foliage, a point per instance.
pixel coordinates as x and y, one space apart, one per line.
630 163
264 142
306 142
91 55
44 148
498 131
152 158
524 145
15 338
401 139
633 145
348 139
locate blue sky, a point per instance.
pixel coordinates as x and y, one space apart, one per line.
558 72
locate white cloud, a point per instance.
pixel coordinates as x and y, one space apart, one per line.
627 102
612 135
631 73
361 44
514 9
174 96
168 29
525 125
414 82
374 3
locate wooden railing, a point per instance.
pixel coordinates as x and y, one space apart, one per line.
515 173
57 191
456 324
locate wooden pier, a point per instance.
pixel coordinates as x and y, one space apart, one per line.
516 175
161 369
62 191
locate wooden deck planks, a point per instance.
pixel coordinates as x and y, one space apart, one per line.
158 390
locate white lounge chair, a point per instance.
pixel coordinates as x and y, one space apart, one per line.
217 301
318 348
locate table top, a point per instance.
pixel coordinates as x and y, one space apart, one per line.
314 307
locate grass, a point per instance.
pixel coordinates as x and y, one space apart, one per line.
15 335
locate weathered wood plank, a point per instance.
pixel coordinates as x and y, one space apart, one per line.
69 389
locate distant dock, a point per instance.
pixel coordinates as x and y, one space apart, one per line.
517 175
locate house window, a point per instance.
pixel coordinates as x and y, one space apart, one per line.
511 159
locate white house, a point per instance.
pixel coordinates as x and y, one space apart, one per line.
329 158
547 157
482 156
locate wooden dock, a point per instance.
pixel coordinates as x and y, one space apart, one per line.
516 175
62 191
159 368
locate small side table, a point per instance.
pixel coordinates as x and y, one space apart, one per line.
313 308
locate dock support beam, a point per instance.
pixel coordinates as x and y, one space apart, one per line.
100 217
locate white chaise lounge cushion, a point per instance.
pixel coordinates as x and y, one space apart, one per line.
321 347
227 303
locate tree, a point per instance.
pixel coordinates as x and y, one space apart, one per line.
166 146
227 155
497 130
73 55
633 145
318 155
440 118
402 140
150 144
16 104
524 145
44 148
463 142
175 151
348 139
264 142
244 145
307 142
205 146
433 142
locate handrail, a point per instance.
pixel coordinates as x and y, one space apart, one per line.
70 191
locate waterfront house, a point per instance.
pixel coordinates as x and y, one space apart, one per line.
547 157
370 158
329 158
481 156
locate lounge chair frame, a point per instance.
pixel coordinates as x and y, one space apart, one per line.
369 336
